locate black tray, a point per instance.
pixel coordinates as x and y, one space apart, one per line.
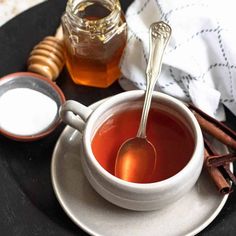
27 201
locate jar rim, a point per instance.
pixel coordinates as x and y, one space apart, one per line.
108 21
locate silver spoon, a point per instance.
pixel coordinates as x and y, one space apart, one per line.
136 158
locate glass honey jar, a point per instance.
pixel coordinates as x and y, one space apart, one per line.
95 34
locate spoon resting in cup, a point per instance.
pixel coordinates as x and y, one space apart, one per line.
136 158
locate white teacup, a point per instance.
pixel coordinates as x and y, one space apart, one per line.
135 196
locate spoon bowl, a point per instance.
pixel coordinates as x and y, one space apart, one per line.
134 151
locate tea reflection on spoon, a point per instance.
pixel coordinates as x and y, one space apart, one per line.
136 158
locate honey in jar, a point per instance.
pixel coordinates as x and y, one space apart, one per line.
95 36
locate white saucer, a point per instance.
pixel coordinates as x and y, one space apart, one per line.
96 216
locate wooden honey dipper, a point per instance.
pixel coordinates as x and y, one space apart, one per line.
47 57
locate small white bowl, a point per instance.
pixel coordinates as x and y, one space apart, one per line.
37 83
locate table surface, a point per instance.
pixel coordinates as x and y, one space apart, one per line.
27 201
12 8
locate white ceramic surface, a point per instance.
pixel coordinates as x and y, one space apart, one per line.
188 216
129 195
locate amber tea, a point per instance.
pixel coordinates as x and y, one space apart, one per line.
173 141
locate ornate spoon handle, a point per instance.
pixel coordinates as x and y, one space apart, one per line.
159 34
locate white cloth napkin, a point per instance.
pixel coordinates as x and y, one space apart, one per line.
199 64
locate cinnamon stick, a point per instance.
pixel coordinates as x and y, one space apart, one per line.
217 165
221 183
229 173
215 128
220 160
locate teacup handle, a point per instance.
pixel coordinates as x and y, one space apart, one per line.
75 114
